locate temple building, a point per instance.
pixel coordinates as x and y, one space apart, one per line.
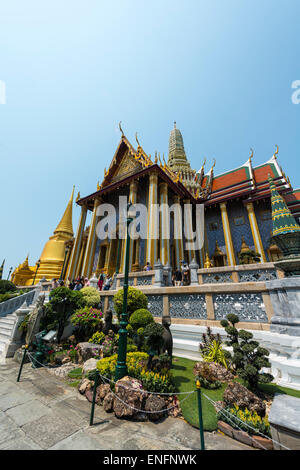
237 215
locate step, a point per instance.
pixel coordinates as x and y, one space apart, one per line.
4 336
7 324
7 329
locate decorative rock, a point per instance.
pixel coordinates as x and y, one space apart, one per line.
242 436
84 385
87 351
130 391
155 403
65 360
104 389
262 443
108 402
18 356
90 364
225 428
237 394
63 370
216 371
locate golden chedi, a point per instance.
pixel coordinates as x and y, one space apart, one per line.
23 274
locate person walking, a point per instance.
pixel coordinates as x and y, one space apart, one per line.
100 281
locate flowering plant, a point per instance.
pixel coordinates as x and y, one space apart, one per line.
137 368
88 320
240 418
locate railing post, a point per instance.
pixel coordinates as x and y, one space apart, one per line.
94 397
22 362
198 385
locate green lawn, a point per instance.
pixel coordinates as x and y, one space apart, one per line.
185 381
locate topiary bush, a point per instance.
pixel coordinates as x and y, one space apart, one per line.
140 319
135 300
248 358
154 337
91 296
6 286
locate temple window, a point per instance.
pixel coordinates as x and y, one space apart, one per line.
213 226
239 220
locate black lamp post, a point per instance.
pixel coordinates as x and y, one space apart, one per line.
121 367
37 267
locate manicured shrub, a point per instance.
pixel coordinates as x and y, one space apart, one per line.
135 300
140 319
7 286
248 358
91 296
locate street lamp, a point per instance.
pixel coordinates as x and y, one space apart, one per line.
37 267
121 367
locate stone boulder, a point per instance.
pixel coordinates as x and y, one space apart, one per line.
84 385
129 397
104 389
155 405
237 394
18 356
108 402
216 371
90 364
87 351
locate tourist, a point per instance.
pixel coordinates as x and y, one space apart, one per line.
178 277
78 285
61 283
72 284
147 267
54 284
86 282
185 273
107 283
100 281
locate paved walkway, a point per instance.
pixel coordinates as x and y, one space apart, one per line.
43 412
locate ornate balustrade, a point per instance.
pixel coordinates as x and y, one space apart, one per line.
11 305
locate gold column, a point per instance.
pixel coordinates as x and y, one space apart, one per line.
77 244
90 248
255 232
78 266
152 226
227 235
133 199
164 225
178 241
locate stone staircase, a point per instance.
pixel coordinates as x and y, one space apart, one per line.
12 313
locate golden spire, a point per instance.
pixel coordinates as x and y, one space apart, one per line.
251 156
65 225
276 153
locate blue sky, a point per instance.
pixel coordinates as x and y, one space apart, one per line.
223 69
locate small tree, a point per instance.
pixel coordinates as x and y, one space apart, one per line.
7 286
63 303
248 358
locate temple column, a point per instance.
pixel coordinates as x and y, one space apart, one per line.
77 244
153 221
227 235
133 199
90 247
78 267
255 232
178 236
164 225
188 228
